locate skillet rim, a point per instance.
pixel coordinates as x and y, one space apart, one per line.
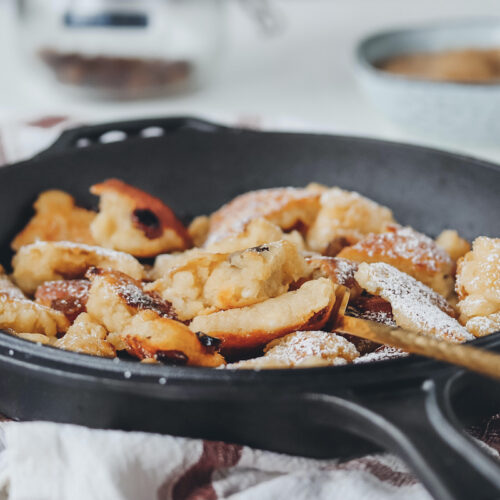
88 365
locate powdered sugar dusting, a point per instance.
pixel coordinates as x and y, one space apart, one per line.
101 251
340 270
9 289
405 243
378 316
413 303
304 349
68 296
344 270
234 216
484 325
381 354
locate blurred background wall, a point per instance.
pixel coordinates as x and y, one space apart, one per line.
302 74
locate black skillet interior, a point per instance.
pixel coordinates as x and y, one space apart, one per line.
195 167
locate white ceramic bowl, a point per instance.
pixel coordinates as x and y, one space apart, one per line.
455 112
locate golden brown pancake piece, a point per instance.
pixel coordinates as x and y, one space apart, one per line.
346 215
409 251
288 208
415 306
478 287
52 261
131 220
144 324
69 296
199 282
56 218
307 308
88 337
306 349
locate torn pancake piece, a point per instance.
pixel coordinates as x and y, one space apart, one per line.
478 287
68 296
205 282
478 279
303 349
253 233
51 261
480 326
131 220
115 298
8 288
307 308
340 271
455 246
25 316
415 306
144 324
56 218
289 208
88 337
198 230
347 215
149 336
409 251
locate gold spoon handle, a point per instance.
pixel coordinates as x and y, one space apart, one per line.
472 358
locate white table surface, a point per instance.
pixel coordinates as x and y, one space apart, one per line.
303 77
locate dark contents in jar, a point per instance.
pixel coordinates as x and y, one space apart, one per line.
115 73
462 66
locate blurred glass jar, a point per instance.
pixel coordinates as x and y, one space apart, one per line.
123 49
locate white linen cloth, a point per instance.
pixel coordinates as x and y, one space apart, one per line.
48 461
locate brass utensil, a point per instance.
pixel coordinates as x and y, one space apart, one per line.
474 359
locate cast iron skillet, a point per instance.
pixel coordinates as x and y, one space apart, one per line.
415 407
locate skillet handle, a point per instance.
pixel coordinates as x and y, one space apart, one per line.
118 131
411 423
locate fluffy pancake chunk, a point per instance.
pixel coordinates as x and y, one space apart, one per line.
86 336
25 316
455 246
56 218
182 278
51 261
133 221
144 324
192 259
307 308
288 208
348 215
478 286
149 336
480 326
415 306
69 296
207 282
8 288
253 234
198 230
409 251
306 349
478 279
114 298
